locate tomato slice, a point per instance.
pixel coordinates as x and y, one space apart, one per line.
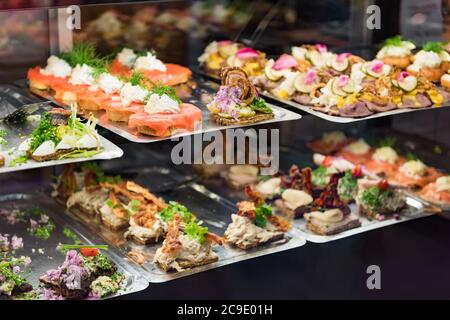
89 252
383 185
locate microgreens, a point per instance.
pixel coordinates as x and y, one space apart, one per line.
434 46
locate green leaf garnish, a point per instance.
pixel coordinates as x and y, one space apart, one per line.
195 231
434 46
134 205
18 161
173 208
161 89
259 105
262 212
45 131
72 236
393 41
136 78
411 156
85 53
79 246
388 141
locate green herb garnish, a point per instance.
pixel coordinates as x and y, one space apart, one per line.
161 89
262 212
134 205
136 78
411 156
42 231
196 231
3 135
259 105
79 246
18 161
173 208
393 41
434 46
320 177
44 132
72 236
371 197
85 53
388 141
347 186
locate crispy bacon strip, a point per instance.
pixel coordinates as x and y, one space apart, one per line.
68 184
246 209
214 238
118 208
172 243
280 223
120 188
329 198
306 180
134 187
146 215
254 196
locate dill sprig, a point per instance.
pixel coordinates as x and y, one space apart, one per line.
85 53
136 78
161 89
434 46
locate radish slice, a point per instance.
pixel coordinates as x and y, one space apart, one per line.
247 53
342 56
377 66
224 42
342 80
311 76
321 48
286 61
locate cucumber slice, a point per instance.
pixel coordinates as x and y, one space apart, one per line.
271 74
350 87
339 66
373 73
408 84
317 59
395 83
301 86
336 89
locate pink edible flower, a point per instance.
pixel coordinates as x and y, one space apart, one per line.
16 269
285 61
2 278
93 296
381 217
321 48
33 223
343 80
16 242
311 76
49 294
224 42
377 66
247 53
342 56
402 75
26 261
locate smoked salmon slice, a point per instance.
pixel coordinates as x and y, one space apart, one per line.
355 158
174 74
430 193
164 124
398 178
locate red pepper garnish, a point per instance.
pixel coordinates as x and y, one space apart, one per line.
357 172
327 161
383 185
89 252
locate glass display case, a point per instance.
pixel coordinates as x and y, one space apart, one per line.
150 147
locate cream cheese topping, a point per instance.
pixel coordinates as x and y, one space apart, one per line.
130 93
57 67
127 57
443 184
109 83
385 154
402 50
331 216
334 137
82 74
149 62
358 147
414 169
161 104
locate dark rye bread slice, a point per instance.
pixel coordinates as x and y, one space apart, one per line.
294 214
277 236
328 229
55 155
140 240
188 264
247 120
115 227
150 132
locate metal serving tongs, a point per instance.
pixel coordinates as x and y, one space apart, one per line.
413 199
22 110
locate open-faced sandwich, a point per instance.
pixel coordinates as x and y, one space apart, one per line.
378 200
237 101
238 176
13 269
88 274
154 70
384 161
329 214
413 174
164 114
431 62
296 192
216 54
60 135
356 152
330 142
396 52
146 224
254 224
437 192
187 244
